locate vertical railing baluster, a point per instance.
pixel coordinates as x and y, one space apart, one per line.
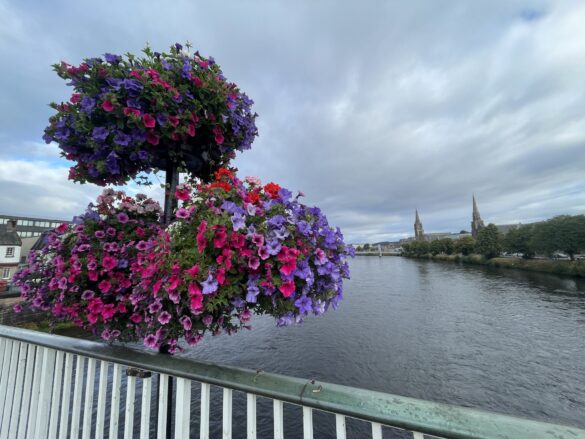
5 377
376 430
115 402
18 390
163 396
9 393
251 411
340 426
66 398
307 423
76 410
278 419
129 413
227 414
34 394
56 397
145 408
87 410
101 403
27 390
47 373
204 425
183 408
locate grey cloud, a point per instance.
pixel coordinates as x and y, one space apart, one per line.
372 109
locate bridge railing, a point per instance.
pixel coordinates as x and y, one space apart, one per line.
60 387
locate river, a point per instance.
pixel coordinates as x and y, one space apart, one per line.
497 339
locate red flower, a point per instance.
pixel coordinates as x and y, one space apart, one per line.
222 185
109 262
105 286
174 120
197 81
152 138
128 110
191 130
223 172
218 135
287 288
62 228
75 97
107 105
149 121
136 74
272 190
182 194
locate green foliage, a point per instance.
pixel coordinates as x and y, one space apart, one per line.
465 245
417 248
488 242
520 241
562 233
366 247
439 246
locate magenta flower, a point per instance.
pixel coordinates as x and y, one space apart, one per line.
109 262
182 213
108 106
149 121
122 217
164 318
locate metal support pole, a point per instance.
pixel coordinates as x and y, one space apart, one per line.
171 182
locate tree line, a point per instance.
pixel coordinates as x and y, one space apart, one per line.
565 234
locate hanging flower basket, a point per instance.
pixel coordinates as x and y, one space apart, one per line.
84 272
131 114
236 249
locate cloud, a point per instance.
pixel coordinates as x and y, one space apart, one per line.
372 109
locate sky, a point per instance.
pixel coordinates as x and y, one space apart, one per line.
372 108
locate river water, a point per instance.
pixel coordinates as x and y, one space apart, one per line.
497 339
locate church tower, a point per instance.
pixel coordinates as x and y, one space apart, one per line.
477 223
419 233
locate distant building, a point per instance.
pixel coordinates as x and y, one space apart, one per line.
10 248
419 233
476 223
27 227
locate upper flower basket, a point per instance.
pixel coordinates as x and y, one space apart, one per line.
166 110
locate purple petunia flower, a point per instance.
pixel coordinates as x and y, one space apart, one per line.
238 221
252 294
99 133
276 221
182 213
273 247
123 217
209 285
87 294
87 104
151 341
122 139
304 304
164 317
112 58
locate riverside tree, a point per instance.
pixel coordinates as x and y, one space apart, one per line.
520 241
465 245
562 233
488 242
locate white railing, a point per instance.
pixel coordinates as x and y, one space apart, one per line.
59 387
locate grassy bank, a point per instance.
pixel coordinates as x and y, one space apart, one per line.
568 268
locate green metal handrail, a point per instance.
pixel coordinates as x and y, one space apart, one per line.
408 413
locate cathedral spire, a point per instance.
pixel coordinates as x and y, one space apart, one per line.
419 233
476 223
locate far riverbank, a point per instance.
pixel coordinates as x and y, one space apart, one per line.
566 268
